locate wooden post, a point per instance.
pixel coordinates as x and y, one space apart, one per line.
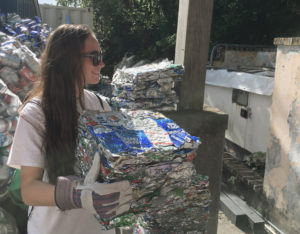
192 45
192 42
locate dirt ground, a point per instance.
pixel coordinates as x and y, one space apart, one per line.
225 226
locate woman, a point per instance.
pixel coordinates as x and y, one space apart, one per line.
45 139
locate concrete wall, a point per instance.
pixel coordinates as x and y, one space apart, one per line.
281 182
57 15
250 133
236 58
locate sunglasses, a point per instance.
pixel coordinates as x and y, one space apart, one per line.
96 57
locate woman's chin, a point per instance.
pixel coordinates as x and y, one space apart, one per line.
93 81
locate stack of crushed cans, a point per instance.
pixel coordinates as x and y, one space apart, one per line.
155 155
21 42
149 86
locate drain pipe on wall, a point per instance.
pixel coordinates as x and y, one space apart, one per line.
277 230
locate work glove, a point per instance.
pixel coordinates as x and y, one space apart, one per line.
103 200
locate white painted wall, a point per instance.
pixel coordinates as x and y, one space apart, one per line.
250 133
57 15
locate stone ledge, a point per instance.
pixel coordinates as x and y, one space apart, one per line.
288 41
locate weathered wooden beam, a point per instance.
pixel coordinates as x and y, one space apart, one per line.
192 45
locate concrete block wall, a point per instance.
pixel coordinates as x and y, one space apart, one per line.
236 58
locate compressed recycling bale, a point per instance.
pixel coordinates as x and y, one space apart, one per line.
154 154
148 87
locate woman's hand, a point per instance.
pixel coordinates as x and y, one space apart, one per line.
101 199
105 200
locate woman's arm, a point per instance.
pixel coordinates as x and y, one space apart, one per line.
34 191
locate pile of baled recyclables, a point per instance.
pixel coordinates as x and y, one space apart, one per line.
148 149
21 41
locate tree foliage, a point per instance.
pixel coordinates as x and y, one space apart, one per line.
145 28
254 21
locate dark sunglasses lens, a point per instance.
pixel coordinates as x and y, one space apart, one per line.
97 59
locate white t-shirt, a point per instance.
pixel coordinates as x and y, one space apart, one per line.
26 151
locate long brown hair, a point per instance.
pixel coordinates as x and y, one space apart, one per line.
62 81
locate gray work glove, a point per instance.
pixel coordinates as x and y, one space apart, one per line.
103 200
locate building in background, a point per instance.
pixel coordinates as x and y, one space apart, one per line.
24 8
57 15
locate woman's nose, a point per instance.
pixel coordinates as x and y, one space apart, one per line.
102 64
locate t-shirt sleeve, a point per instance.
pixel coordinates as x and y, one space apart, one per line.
26 149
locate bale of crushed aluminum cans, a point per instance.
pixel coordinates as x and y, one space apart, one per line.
147 87
9 104
155 155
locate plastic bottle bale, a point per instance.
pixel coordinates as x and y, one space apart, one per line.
3 37
13 19
29 58
9 102
17 84
30 32
9 46
10 60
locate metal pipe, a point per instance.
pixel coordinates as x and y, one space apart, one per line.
278 231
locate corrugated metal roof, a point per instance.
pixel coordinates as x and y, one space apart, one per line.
24 8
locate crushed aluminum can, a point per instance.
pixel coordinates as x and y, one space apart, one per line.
28 74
